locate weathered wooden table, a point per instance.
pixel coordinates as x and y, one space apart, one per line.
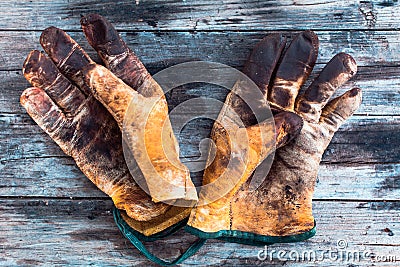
50 214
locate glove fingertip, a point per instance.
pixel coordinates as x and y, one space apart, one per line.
102 36
33 101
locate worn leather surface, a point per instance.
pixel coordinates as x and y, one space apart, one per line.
86 131
63 104
242 142
282 205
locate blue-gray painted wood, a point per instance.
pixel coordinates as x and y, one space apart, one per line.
50 214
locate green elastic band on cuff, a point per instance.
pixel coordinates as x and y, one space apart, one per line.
164 233
136 239
248 238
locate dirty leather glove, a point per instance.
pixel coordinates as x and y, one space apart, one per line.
63 105
282 205
280 209
138 104
242 142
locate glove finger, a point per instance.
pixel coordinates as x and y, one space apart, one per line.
111 91
47 115
69 57
337 72
294 69
116 55
41 72
247 102
263 59
339 109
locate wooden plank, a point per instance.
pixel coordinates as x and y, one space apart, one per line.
361 140
380 85
358 189
378 181
28 151
33 165
63 232
45 177
205 14
59 177
365 139
381 96
369 48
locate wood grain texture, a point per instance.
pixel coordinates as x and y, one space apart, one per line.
33 165
369 48
365 138
50 176
82 232
381 91
206 14
50 214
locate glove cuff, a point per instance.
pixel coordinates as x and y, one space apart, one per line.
137 239
248 238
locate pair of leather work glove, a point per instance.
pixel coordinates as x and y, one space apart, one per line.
83 107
